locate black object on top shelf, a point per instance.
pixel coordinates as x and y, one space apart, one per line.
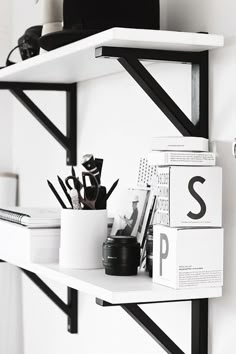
85 18
104 14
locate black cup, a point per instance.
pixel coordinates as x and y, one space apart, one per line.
121 255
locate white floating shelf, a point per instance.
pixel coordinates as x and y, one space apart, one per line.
131 289
76 62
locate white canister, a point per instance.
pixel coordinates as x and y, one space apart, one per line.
51 11
82 235
51 16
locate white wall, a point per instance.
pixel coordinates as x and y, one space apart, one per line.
116 121
5 98
11 336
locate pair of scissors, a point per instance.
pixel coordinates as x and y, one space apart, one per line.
90 192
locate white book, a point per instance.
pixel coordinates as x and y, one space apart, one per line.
32 217
179 143
181 158
29 244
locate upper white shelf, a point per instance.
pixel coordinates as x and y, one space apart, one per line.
131 289
76 62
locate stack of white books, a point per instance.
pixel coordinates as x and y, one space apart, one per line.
188 235
181 151
30 234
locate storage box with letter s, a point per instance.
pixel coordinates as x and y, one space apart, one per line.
189 196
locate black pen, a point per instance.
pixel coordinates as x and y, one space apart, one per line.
99 163
65 190
56 194
73 174
73 171
111 190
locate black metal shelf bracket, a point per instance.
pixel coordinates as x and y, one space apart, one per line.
130 58
68 141
199 330
70 309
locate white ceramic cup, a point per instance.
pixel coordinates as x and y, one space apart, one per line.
51 27
51 11
82 235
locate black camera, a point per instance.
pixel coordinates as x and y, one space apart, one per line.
29 43
121 255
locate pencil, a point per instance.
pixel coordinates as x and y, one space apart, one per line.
73 174
111 189
65 190
73 171
56 194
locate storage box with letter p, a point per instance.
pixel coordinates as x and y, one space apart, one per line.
189 196
188 258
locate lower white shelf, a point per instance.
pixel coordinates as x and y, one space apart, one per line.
132 289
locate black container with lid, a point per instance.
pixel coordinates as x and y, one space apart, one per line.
121 255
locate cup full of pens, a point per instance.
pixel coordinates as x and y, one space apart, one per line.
83 215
